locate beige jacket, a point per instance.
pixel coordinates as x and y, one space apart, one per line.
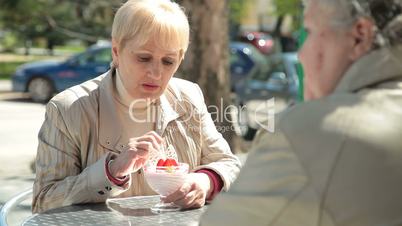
333 161
81 131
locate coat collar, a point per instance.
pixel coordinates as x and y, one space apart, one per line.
169 105
376 67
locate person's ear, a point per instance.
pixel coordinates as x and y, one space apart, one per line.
363 37
115 52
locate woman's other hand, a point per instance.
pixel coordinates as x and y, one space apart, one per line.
192 193
136 154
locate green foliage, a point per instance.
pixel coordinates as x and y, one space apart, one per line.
238 10
9 41
288 7
70 48
8 68
27 19
58 20
291 8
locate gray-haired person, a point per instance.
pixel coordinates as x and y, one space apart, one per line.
337 158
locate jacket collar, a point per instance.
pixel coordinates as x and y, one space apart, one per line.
376 67
170 108
167 113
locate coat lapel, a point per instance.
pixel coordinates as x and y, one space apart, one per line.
170 108
109 124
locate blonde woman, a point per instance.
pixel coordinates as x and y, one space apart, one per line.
97 136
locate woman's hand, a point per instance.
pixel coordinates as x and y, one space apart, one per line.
136 155
193 192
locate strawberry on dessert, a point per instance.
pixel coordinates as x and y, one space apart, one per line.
167 162
170 162
161 162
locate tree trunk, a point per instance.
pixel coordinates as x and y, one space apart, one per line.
27 45
206 62
278 26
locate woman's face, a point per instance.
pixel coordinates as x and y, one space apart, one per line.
145 70
324 55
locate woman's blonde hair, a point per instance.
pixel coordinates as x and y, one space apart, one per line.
161 20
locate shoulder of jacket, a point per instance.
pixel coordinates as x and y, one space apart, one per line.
330 110
309 126
186 91
77 97
182 87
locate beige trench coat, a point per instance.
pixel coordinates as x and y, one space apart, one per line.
81 130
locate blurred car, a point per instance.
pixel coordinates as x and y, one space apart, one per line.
262 41
279 81
244 60
44 78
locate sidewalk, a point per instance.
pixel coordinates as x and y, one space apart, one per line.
20 122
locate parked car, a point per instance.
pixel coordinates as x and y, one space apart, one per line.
244 60
44 78
262 41
280 81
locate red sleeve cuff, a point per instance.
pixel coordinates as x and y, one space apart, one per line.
115 181
216 181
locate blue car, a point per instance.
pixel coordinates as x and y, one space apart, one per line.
278 80
44 78
244 60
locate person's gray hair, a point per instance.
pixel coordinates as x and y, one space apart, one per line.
386 14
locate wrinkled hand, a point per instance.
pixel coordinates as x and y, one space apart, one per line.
136 154
192 193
